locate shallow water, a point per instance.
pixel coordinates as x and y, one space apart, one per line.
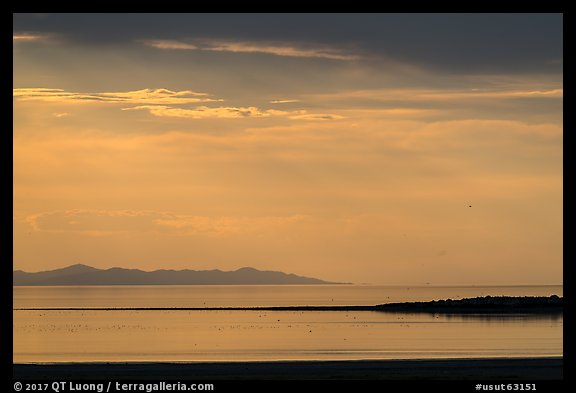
77 336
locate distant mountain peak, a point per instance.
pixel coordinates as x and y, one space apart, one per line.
79 266
80 274
248 269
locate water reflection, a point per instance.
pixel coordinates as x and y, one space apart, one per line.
58 336
169 335
555 316
254 295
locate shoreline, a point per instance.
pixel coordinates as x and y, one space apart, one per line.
431 310
487 304
535 368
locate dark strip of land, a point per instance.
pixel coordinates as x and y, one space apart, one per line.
487 304
526 369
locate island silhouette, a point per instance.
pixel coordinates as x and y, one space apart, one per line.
80 274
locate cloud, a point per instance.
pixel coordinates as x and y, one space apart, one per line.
61 114
204 112
193 225
144 96
29 37
157 100
90 222
443 95
557 93
506 99
169 44
277 49
487 94
283 101
316 116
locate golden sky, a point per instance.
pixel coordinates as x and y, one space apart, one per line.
347 157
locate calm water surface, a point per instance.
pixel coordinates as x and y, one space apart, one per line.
89 336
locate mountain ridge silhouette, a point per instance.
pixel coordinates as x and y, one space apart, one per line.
80 274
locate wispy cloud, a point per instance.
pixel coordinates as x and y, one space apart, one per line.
159 102
283 101
316 116
204 112
277 49
558 93
144 96
91 222
169 44
418 95
196 225
486 94
29 37
280 50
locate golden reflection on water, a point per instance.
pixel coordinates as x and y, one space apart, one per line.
94 336
253 295
89 336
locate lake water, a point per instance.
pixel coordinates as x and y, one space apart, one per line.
184 336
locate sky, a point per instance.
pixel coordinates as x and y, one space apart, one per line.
392 149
